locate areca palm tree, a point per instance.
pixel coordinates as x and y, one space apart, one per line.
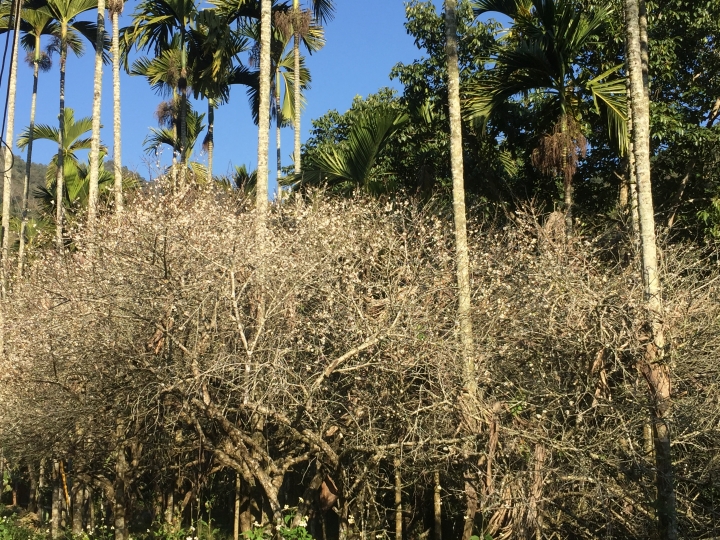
541 60
14 23
163 73
34 24
301 22
168 118
115 8
350 164
74 189
213 56
283 73
71 32
155 24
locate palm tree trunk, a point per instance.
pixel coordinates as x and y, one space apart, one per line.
117 135
264 117
278 124
28 164
211 135
652 365
296 84
60 177
93 188
8 158
461 245
182 86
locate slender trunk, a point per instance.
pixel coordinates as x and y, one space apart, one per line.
632 180
182 86
117 135
170 505
652 365
120 488
296 84
211 140
471 511
278 125
461 245
567 180
78 503
33 502
8 157
93 189
60 177
437 506
28 164
264 118
40 498
398 502
56 507
236 515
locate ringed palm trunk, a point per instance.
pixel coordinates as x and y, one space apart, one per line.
456 163
264 117
296 84
93 191
116 9
28 164
182 86
8 157
652 365
60 176
211 141
278 123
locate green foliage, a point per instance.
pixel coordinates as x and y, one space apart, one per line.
286 531
10 529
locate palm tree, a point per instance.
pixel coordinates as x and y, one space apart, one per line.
95 147
284 69
350 165
163 73
168 118
115 8
75 185
14 22
71 30
301 22
540 59
652 365
213 52
155 23
34 24
264 90
461 246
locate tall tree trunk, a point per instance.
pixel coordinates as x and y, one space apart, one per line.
93 189
182 87
120 489
28 164
211 138
652 365
8 157
57 497
261 190
78 504
117 7
236 514
60 177
398 502
278 125
461 245
296 84
437 506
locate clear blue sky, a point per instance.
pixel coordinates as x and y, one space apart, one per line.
364 41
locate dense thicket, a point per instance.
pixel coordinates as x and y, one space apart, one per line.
169 347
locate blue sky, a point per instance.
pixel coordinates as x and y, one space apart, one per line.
364 41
